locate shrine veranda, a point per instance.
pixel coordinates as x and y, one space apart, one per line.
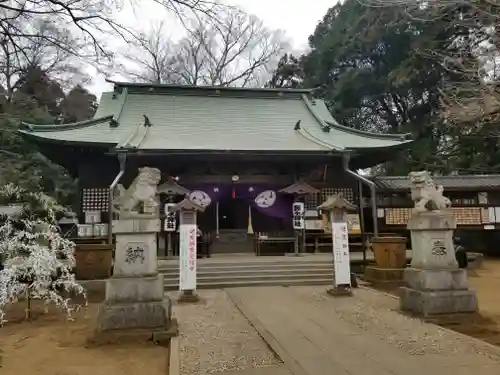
244 154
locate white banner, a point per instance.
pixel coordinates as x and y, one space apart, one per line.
341 262
187 257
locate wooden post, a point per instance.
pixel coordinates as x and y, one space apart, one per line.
335 208
217 219
187 249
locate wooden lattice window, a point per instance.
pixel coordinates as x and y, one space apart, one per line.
96 199
397 216
467 215
311 201
463 215
343 192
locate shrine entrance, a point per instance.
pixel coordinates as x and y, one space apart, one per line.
233 214
232 235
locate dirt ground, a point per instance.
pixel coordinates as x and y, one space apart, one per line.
52 345
486 324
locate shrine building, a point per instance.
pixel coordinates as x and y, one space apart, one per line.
244 154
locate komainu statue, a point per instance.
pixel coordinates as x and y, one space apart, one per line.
426 195
140 198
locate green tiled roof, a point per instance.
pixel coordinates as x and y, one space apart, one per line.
190 118
460 182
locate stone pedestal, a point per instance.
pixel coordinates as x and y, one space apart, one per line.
434 283
135 300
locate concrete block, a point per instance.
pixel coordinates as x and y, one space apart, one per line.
432 240
155 314
139 225
435 279
134 289
438 302
432 221
163 337
135 255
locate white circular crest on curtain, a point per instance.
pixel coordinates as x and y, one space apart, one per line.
266 199
200 198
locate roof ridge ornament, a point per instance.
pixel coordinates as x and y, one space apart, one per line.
123 98
172 187
299 187
147 121
68 126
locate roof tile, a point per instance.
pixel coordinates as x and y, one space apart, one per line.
210 122
448 182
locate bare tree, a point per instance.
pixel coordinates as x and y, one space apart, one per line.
86 20
18 59
230 49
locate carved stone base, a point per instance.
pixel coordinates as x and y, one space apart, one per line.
436 279
437 291
135 289
427 303
131 315
159 336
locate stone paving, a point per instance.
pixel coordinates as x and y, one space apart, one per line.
315 334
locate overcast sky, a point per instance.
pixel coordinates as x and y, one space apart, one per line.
297 19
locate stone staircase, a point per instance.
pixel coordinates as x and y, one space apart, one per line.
240 271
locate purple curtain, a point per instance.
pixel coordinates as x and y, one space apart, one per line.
264 198
206 194
267 200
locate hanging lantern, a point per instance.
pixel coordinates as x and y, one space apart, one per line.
235 179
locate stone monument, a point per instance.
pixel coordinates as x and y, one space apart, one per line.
434 283
135 302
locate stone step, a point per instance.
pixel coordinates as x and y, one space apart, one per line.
250 283
249 265
214 273
244 272
256 277
239 268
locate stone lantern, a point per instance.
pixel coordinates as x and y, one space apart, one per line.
297 190
188 232
171 189
335 208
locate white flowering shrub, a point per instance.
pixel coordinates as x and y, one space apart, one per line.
37 260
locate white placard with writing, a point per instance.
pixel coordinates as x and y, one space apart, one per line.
341 262
92 217
187 256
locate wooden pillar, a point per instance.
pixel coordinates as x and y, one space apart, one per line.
187 249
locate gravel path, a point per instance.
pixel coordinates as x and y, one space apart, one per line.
378 314
215 336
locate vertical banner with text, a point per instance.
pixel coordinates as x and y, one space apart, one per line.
341 261
187 257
